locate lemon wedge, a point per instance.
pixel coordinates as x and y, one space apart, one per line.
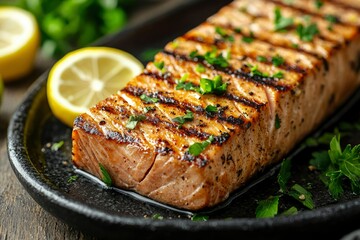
85 76
19 42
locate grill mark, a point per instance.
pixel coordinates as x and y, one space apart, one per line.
135 91
230 27
345 6
189 132
324 38
219 42
268 81
230 96
318 14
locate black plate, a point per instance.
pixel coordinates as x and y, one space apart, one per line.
95 209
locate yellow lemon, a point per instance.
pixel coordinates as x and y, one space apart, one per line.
85 76
19 42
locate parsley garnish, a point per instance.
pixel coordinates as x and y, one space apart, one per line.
211 57
189 116
200 68
211 109
160 65
261 58
268 207
224 35
148 109
215 86
307 33
318 4
332 20
105 175
133 121
278 74
247 39
157 216
198 218
338 164
197 148
148 99
72 178
281 23
256 72
277 60
57 146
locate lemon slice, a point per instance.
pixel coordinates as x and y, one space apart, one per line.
84 77
19 42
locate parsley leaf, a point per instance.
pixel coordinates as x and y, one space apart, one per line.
284 174
197 148
197 218
307 33
211 109
148 99
133 121
224 35
160 65
211 57
57 146
215 86
268 207
189 116
281 23
278 75
302 195
200 68
105 175
318 4
277 60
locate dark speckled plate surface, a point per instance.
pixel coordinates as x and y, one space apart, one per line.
89 206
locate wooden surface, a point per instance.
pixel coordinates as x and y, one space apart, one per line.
20 216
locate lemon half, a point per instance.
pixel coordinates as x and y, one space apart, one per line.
85 76
19 42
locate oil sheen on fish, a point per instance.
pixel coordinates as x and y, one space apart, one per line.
224 101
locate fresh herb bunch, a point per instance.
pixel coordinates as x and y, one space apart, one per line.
69 24
337 166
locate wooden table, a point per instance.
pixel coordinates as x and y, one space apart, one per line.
20 216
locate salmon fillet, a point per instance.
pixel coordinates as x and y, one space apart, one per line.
224 101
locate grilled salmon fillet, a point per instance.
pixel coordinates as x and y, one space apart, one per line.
224 101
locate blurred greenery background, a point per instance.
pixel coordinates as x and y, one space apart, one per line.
69 24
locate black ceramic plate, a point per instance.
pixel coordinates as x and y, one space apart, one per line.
89 206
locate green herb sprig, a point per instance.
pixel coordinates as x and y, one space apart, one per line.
197 148
189 116
106 178
133 121
337 165
281 23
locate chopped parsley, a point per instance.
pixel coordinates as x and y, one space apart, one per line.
105 175
211 57
268 207
188 86
278 74
57 146
224 35
261 58
148 109
189 116
157 216
318 4
211 109
307 33
215 86
197 218
332 19
72 178
277 60
337 165
197 148
160 65
281 23
148 99
248 39
133 121
200 68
